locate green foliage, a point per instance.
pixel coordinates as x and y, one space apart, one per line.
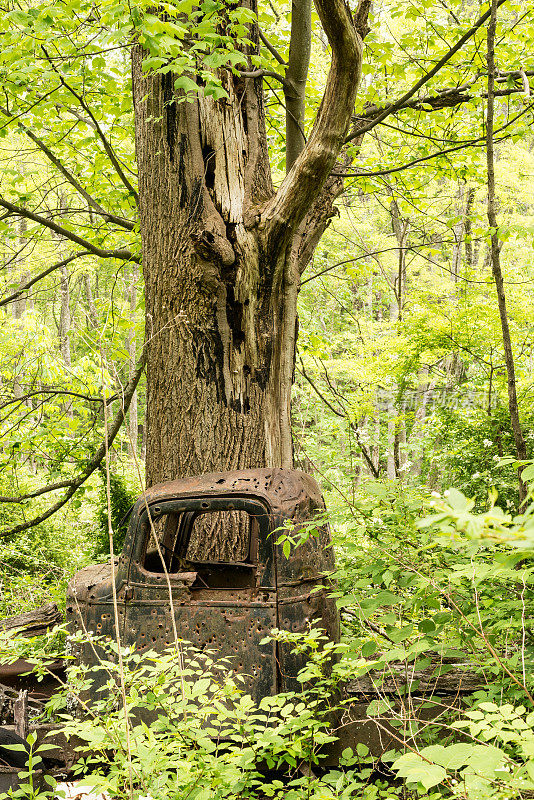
34 785
206 738
122 498
36 565
438 585
479 770
468 445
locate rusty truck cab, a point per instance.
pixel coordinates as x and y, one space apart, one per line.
226 603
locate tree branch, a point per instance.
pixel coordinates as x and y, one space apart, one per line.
54 392
262 73
347 261
401 102
93 464
479 142
24 288
107 147
354 427
20 211
70 177
50 487
453 96
30 107
283 214
271 48
296 77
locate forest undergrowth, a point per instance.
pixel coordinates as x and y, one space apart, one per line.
425 581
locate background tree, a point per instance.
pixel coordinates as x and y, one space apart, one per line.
227 236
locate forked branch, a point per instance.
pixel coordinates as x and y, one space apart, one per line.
302 185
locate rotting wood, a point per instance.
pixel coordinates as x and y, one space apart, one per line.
9 697
20 714
34 623
397 678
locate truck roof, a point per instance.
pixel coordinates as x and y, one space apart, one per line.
284 490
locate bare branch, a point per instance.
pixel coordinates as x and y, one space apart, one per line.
30 107
271 48
53 392
48 223
479 142
93 464
452 96
374 471
347 261
450 11
50 487
70 177
401 102
262 73
24 288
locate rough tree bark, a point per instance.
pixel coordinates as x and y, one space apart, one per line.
222 258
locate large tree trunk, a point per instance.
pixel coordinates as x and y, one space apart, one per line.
214 303
222 256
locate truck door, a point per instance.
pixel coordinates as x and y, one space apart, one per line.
225 606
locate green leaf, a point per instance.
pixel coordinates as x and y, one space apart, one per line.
368 649
412 767
458 501
185 83
485 760
451 757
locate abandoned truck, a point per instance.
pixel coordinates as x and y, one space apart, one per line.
231 584
227 602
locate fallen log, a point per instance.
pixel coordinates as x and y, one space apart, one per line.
17 674
35 622
401 678
385 708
